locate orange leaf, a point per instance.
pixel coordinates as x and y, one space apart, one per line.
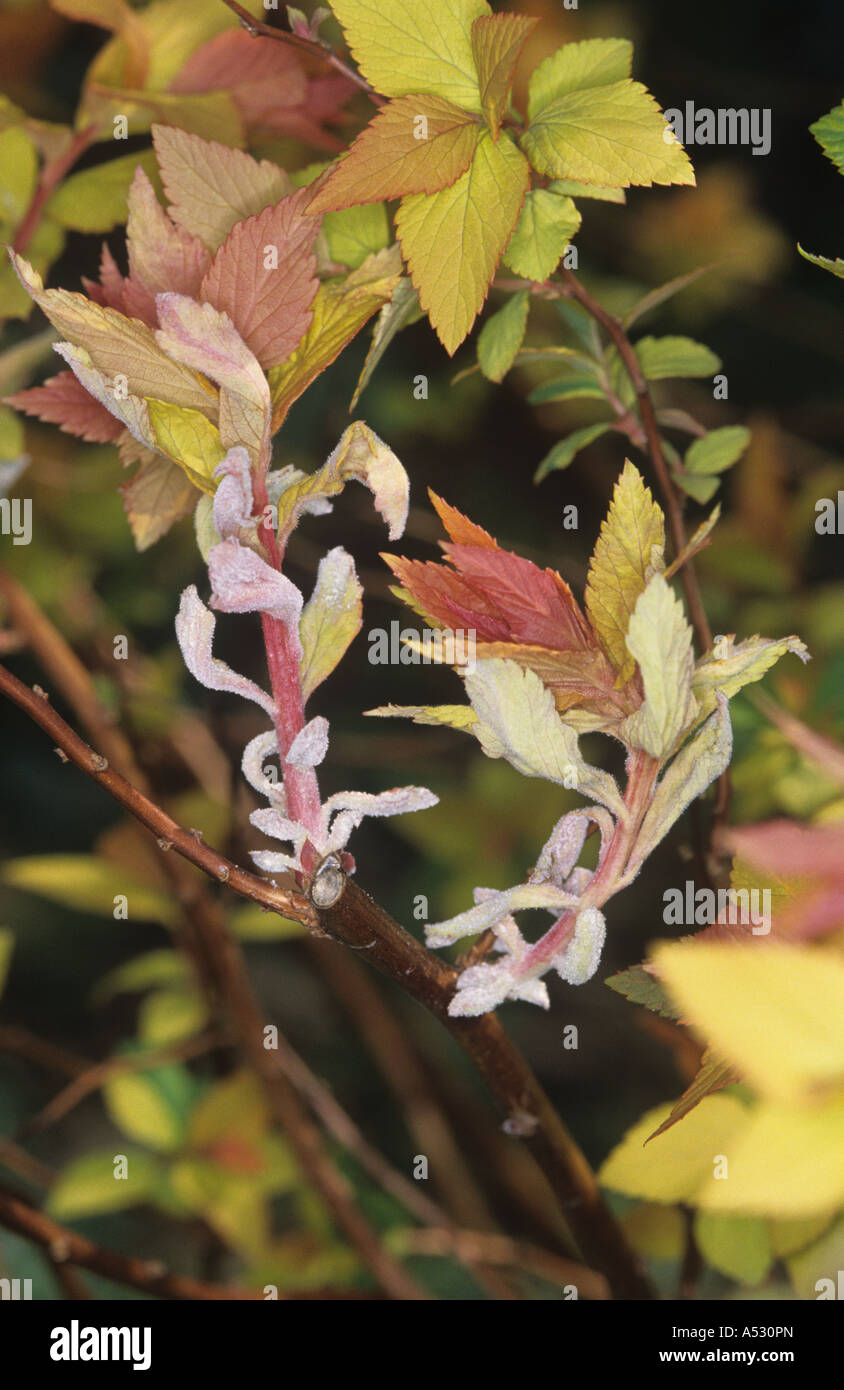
497 43
264 278
415 144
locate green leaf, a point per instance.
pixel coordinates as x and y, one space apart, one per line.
403 309
44 248
331 619
401 48
718 451
95 200
87 884
169 1015
835 267
729 666
565 450
609 135
698 763
661 358
701 489
151 1107
453 241
829 133
189 439
153 968
654 298
641 987
572 188
546 226
575 66
7 945
738 1246
569 389
501 337
518 720
18 174
354 233
88 1186
11 434
660 639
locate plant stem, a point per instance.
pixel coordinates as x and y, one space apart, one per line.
51 176
67 1247
362 924
257 29
615 330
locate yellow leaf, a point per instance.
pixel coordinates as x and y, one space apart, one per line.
159 494
606 135
330 620
497 43
738 1246
402 47
453 240
729 665
188 439
660 639
673 1167
454 716
629 548
786 1161
656 1231
774 1010
340 310
119 347
575 66
815 1270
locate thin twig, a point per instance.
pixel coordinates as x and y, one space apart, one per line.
52 173
99 1073
615 330
492 1249
317 49
359 922
65 1246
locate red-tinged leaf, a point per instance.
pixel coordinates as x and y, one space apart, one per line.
460 529
538 605
63 401
508 598
159 494
210 187
268 84
414 144
264 278
713 1075
447 599
162 255
497 43
574 677
109 290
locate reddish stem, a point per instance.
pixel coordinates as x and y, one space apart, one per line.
300 783
51 176
642 772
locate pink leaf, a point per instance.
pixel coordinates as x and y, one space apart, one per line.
244 583
264 278
63 401
162 255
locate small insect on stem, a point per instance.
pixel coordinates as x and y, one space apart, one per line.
328 882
